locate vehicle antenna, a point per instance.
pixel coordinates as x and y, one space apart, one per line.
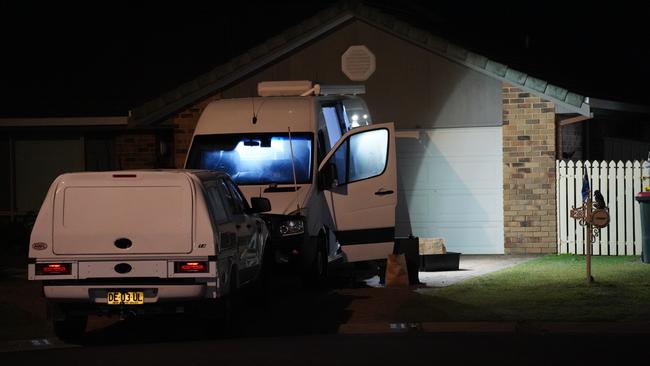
293 168
254 119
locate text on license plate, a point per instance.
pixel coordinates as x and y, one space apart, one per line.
125 297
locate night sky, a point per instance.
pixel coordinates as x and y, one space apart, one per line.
85 59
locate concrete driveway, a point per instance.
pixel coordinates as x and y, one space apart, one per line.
470 266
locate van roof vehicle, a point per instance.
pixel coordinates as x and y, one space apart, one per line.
144 241
314 152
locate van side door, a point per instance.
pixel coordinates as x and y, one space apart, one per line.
359 179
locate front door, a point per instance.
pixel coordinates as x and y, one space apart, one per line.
359 179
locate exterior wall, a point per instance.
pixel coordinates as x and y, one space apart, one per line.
528 173
411 86
136 151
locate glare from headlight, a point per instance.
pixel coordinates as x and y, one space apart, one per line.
292 227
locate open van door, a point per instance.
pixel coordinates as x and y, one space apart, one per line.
359 179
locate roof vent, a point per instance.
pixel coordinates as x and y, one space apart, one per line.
358 63
283 88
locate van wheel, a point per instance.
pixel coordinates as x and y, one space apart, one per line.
316 275
70 328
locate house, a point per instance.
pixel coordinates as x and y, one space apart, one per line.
477 140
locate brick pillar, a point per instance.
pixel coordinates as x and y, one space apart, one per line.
184 125
528 173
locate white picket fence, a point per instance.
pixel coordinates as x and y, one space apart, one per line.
618 182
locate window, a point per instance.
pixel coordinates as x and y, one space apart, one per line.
341 161
235 208
368 154
255 159
364 155
215 204
240 201
333 124
356 114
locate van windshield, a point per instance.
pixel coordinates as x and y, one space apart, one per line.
256 158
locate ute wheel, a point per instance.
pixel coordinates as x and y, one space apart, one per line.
70 328
226 308
261 292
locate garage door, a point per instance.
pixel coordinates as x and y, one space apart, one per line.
450 185
38 163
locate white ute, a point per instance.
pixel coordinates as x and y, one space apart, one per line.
144 241
313 151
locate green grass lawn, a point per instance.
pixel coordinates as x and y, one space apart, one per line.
552 288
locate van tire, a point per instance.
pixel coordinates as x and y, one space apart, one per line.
70 328
316 274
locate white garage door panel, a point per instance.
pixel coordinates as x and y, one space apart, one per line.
451 142
424 206
466 240
456 173
451 186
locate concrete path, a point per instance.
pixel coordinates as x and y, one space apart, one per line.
470 266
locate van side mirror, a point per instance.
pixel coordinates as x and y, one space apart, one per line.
328 177
259 204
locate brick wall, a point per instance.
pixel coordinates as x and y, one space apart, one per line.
528 173
184 124
136 151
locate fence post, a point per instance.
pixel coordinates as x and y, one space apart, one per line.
563 208
571 197
620 202
637 187
595 185
629 209
613 209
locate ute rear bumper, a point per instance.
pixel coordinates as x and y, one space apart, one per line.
97 294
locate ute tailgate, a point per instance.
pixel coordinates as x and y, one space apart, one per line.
147 212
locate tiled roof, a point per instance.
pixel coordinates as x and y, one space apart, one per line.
222 76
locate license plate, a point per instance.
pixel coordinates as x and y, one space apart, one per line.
125 297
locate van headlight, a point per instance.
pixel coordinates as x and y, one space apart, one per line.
292 227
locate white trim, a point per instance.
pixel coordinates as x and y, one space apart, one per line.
63 121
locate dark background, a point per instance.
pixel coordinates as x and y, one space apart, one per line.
104 58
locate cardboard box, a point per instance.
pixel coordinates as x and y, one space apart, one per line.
432 246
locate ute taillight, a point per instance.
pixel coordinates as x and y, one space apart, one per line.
53 268
190 267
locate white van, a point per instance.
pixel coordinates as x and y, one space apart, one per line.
141 241
313 151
